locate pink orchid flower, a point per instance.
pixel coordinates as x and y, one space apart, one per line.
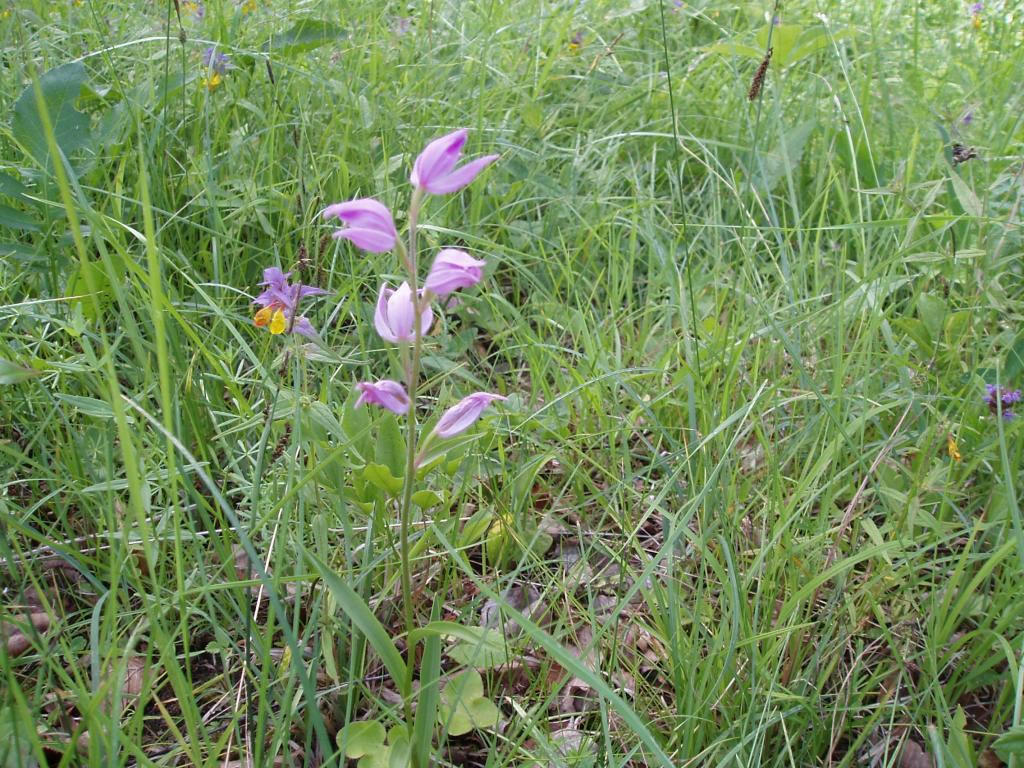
434 170
369 224
453 269
385 393
394 316
463 414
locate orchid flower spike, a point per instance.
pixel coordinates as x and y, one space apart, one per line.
463 414
279 303
434 170
394 315
453 269
385 393
370 225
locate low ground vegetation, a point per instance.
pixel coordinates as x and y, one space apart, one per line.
750 313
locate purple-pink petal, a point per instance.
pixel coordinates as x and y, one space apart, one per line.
309 290
370 240
275 278
463 414
303 327
380 315
438 158
434 170
369 224
385 393
393 317
453 269
268 297
401 312
460 177
426 317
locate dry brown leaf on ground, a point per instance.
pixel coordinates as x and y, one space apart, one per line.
522 597
913 756
134 675
572 744
752 456
130 674
577 696
18 634
243 570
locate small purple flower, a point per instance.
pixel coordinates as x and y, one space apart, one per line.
968 118
215 62
453 269
386 393
370 225
394 315
977 8
434 170
999 399
463 414
279 303
401 26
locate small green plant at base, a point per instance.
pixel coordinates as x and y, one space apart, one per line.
464 705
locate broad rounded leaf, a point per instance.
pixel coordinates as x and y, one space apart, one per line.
1010 744
305 36
61 88
463 705
380 477
361 738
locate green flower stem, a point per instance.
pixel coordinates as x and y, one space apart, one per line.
412 374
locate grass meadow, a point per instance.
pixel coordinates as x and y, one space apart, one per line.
748 502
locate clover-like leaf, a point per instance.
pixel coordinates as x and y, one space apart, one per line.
426 499
484 648
362 738
483 712
399 750
381 758
380 477
463 705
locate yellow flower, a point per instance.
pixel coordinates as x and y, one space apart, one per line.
5 13
213 80
272 317
951 446
278 322
249 6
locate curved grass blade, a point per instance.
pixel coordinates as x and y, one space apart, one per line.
359 612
